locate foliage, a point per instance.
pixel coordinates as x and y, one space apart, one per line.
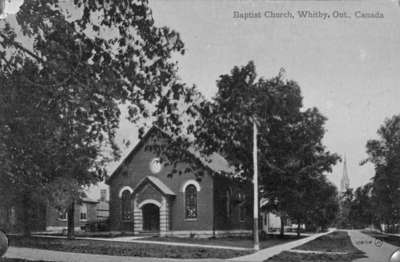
384 154
290 149
61 95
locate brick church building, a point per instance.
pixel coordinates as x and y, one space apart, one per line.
143 198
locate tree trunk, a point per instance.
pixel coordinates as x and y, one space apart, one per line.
26 220
71 222
282 233
298 227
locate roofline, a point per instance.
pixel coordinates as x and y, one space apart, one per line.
133 151
142 141
143 181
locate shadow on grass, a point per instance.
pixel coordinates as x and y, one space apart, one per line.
243 242
295 257
390 239
122 248
18 260
338 241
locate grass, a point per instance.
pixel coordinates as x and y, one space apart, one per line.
121 249
393 240
106 234
244 242
18 260
337 241
296 257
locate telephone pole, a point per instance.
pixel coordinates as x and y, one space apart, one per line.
255 189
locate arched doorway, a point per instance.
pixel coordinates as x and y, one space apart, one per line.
151 218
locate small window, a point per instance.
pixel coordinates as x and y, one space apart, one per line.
63 215
83 212
126 205
191 202
13 217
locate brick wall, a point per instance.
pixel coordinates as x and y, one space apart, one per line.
137 168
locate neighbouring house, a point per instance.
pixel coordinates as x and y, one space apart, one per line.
103 206
143 198
271 222
11 217
85 212
46 218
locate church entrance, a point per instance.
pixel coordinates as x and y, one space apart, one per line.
151 218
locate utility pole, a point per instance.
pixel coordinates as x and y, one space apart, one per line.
255 189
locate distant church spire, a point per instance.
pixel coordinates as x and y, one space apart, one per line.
344 182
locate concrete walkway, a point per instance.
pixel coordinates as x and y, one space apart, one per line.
275 250
58 256
376 250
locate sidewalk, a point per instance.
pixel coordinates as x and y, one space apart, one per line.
376 252
266 253
58 256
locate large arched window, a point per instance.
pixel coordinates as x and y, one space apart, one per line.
126 205
191 202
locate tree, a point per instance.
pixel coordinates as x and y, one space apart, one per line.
289 140
362 208
384 154
322 204
346 200
65 91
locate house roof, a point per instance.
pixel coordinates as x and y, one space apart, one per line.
88 200
215 162
157 183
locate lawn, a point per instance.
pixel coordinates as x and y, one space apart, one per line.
122 249
244 242
337 241
296 257
393 240
18 260
106 234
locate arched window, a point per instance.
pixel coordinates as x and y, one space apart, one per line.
191 202
126 205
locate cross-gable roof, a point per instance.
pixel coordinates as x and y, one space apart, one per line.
163 188
216 163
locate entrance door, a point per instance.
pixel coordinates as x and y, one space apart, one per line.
151 218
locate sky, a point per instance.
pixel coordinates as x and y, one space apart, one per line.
348 67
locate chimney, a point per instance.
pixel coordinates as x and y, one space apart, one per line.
103 195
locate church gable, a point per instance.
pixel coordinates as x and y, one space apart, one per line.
148 191
139 158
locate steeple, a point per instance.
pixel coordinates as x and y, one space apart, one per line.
344 182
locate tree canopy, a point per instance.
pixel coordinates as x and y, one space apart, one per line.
291 153
384 154
62 89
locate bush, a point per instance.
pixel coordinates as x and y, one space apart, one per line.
97 226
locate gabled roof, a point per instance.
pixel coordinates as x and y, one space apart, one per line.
157 183
215 162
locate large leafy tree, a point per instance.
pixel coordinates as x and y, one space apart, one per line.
63 92
289 142
362 208
384 154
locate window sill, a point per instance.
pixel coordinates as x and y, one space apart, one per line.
191 219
